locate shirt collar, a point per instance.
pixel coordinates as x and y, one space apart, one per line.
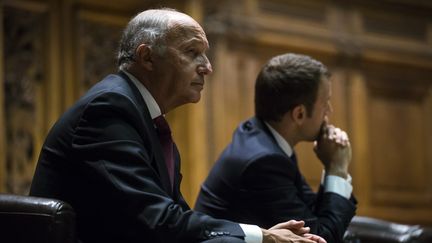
282 143
151 103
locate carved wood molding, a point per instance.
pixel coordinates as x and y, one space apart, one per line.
97 46
24 72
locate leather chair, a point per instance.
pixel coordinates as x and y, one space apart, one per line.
371 230
35 220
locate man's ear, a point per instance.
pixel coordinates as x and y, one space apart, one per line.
144 56
298 114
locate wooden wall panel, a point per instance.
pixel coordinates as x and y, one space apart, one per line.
229 103
391 141
398 138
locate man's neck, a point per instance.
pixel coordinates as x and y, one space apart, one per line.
286 130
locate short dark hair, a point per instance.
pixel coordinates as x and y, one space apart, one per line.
286 81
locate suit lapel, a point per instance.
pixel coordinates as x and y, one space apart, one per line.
298 180
177 174
154 139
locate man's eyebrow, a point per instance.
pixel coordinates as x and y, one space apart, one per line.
195 40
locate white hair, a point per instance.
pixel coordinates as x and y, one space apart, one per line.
149 27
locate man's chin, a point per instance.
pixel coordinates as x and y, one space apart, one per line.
317 136
195 98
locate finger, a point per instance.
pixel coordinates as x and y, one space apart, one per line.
306 240
291 224
327 128
340 137
345 139
344 135
330 132
321 240
302 230
337 134
315 238
302 239
295 223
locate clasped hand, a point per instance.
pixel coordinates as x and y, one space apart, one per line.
334 150
290 231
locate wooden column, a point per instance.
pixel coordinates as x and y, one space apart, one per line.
2 106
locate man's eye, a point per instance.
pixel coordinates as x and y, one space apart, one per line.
193 52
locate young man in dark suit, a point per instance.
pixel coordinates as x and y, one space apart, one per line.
257 180
111 155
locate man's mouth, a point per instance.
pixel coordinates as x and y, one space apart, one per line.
201 84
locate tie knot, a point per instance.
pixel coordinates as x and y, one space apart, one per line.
162 125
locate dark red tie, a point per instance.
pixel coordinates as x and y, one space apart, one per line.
293 158
164 133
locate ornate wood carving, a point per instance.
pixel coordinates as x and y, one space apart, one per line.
24 71
98 44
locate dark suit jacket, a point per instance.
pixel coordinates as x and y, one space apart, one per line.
103 157
255 182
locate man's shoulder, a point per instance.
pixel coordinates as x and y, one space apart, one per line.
252 139
112 95
253 132
111 83
111 88
251 145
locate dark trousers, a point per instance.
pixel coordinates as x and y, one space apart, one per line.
225 240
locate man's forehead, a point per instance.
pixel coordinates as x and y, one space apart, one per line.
181 20
186 33
325 86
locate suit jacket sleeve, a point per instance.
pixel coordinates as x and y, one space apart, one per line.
279 193
116 151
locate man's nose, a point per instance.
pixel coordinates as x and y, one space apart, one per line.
205 68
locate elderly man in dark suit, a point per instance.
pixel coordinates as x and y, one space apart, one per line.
257 180
111 155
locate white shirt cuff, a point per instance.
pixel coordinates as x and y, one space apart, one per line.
253 233
337 184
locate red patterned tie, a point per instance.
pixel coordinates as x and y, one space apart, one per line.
164 133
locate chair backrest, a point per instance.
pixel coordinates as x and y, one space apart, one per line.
371 230
36 220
